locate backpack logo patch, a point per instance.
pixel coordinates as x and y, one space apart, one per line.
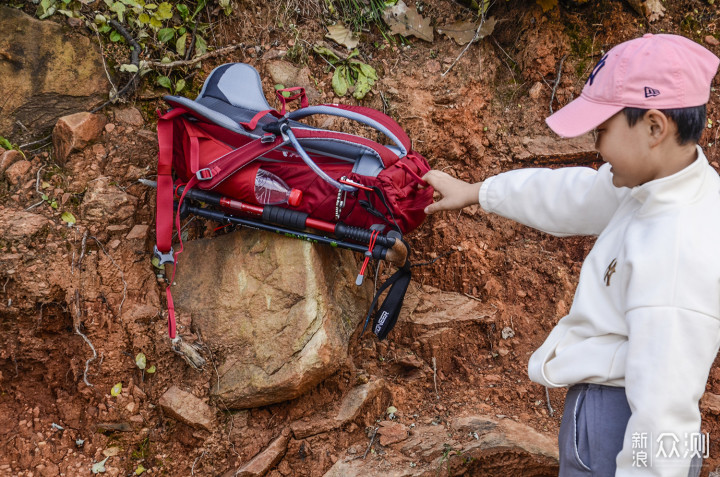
383 316
651 92
609 271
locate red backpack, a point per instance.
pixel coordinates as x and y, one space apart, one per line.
216 143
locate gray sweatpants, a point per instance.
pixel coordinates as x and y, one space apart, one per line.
592 431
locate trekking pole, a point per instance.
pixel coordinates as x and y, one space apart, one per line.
397 251
379 252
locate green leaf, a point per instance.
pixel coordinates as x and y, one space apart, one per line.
105 29
156 263
5 144
140 360
166 34
368 71
119 8
44 197
150 6
143 18
339 81
116 390
327 53
54 204
179 86
155 23
362 86
184 10
164 81
164 11
200 46
180 45
115 36
151 369
68 217
128 68
140 469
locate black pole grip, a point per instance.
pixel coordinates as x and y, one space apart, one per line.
356 234
285 217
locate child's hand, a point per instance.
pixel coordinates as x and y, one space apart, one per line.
455 193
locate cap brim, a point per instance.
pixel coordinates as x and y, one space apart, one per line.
580 116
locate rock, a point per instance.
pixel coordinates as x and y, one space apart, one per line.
187 408
289 75
435 332
138 232
74 132
8 158
556 150
373 394
20 224
278 312
17 171
391 432
130 116
711 40
536 90
47 71
650 9
106 203
265 460
710 402
360 398
471 445
491 441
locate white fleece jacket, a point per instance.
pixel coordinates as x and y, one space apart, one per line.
646 312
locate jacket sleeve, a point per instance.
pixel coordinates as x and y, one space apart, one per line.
670 352
562 202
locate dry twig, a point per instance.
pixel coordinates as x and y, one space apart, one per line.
477 34
557 82
212 54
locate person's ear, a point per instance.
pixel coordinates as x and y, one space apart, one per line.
657 125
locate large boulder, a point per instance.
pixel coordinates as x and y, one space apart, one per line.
277 312
47 72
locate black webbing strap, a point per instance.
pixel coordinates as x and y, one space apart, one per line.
387 315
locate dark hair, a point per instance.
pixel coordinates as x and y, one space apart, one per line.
690 121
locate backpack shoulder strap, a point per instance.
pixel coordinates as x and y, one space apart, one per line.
368 116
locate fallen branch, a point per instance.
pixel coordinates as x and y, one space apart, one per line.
76 322
477 34
212 54
557 82
372 439
547 395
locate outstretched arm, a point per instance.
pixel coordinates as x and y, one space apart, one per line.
455 193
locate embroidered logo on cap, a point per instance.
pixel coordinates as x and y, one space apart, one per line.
597 68
651 92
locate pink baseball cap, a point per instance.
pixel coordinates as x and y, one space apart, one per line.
652 72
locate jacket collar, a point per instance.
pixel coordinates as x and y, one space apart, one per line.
682 187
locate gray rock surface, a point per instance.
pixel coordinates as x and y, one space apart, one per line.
47 72
277 312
